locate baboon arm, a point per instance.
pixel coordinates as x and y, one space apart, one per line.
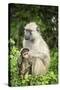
38 54
41 56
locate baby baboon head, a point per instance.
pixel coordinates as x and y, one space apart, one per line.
24 53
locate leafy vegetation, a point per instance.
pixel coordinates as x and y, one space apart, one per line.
47 19
50 78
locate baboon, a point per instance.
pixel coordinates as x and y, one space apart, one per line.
25 65
39 51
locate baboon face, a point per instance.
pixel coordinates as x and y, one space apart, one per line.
31 31
25 55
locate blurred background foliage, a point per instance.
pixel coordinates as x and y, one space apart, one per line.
46 18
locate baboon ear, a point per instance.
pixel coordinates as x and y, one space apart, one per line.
37 29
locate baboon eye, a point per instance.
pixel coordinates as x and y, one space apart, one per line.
30 33
27 30
25 53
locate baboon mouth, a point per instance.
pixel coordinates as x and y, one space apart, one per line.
32 40
26 39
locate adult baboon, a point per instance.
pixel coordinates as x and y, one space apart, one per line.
39 51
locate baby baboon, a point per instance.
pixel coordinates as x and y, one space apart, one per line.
25 66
